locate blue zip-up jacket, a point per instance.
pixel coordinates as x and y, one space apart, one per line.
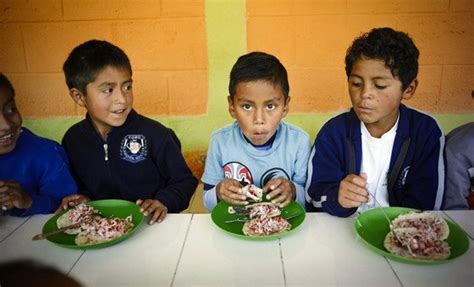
40 166
139 160
416 172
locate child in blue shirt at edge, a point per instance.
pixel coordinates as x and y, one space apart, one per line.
34 172
258 148
116 152
380 146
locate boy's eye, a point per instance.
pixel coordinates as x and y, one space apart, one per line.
108 91
128 87
380 87
10 110
271 107
356 84
246 107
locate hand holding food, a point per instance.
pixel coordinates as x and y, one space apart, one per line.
230 190
71 201
419 235
12 195
353 191
153 208
280 191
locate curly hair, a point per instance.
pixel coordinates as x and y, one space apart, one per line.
87 60
395 48
256 66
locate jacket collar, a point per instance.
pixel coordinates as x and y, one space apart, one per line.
402 129
132 116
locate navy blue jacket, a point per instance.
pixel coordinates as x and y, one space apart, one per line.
416 171
139 160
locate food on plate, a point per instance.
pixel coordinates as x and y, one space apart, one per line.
79 213
262 210
252 192
419 235
94 227
423 220
263 226
103 229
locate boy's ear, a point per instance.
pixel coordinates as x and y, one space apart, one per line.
410 90
231 106
77 97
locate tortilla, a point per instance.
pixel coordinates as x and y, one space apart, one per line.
440 251
263 209
252 192
423 220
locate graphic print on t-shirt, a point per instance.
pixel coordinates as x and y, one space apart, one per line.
273 173
238 171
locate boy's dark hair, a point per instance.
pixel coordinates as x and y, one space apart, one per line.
259 66
89 59
5 83
395 48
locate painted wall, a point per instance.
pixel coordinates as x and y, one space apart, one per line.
182 51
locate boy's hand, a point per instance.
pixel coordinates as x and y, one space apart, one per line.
154 208
71 201
11 194
280 191
229 190
353 191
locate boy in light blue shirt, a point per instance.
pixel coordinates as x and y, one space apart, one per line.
258 148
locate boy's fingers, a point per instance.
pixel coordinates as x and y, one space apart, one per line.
155 217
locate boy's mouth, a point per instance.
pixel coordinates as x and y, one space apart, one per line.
7 138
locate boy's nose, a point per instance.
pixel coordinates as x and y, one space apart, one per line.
366 93
259 117
121 96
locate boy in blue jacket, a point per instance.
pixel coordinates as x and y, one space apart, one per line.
34 172
380 153
258 148
116 152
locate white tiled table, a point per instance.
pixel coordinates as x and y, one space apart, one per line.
188 250
9 224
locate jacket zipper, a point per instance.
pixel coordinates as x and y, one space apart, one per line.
106 152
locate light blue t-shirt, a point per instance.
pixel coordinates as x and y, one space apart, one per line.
231 156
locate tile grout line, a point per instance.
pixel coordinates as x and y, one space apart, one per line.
13 231
393 270
77 260
282 262
181 251
450 218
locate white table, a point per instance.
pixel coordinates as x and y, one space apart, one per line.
188 250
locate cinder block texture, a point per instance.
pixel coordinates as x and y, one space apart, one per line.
311 39
30 10
43 95
164 39
12 55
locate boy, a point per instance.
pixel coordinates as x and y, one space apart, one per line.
380 153
258 148
459 153
116 152
34 173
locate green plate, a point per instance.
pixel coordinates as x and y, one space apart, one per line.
220 214
108 208
372 227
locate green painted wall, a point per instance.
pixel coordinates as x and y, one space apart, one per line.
226 41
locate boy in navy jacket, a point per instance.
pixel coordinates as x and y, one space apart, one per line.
116 152
380 153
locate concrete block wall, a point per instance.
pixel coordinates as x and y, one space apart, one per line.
165 41
312 36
